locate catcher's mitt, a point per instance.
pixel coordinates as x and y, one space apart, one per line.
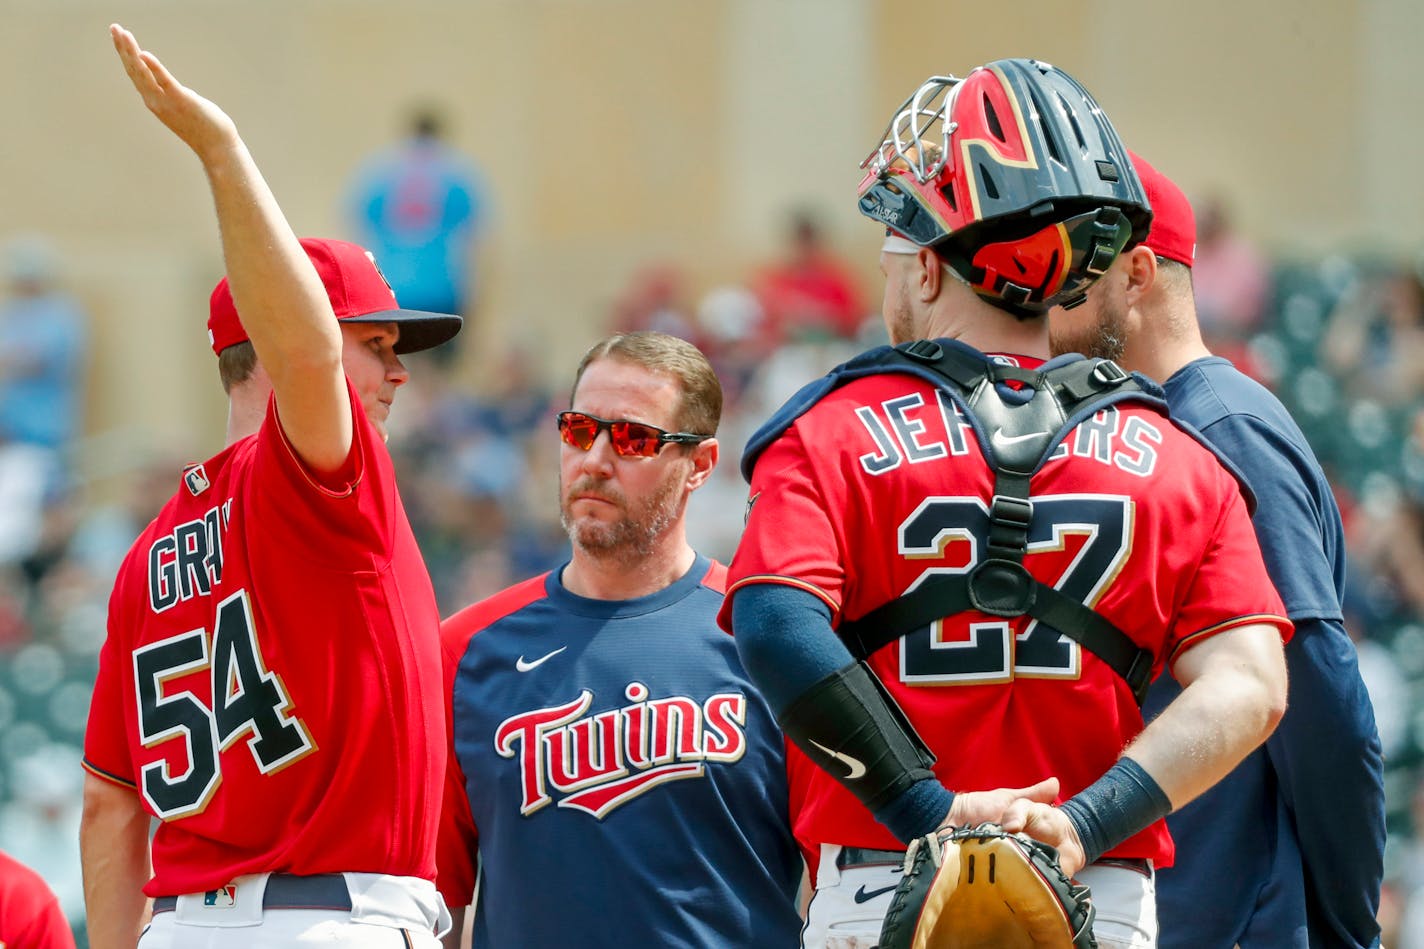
983 888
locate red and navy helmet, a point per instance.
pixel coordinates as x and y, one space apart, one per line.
1015 177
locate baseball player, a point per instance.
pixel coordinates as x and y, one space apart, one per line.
269 687
963 563
30 915
1300 859
615 780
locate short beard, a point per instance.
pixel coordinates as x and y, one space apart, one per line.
632 537
1106 338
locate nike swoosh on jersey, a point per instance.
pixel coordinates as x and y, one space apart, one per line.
863 897
856 766
524 665
1001 440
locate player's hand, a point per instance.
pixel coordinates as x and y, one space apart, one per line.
202 126
1044 822
971 808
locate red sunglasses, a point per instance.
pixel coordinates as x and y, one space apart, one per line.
630 439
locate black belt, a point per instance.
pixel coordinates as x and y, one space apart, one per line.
863 857
286 891
1142 866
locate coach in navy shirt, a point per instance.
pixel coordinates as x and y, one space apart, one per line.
1288 851
615 780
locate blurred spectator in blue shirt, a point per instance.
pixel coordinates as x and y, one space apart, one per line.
419 206
43 337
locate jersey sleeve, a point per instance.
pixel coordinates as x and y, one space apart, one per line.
1230 586
456 844
1298 525
106 743
345 520
791 534
458 840
1295 513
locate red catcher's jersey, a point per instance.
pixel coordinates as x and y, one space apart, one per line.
271 681
883 483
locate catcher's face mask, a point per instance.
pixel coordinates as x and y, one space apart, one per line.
1016 178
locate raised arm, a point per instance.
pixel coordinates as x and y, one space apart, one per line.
283 306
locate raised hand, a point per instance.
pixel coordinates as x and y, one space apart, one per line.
202 126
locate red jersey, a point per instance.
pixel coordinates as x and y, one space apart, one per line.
883 483
30 917
271 682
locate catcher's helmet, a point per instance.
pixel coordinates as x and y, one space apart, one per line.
1024 188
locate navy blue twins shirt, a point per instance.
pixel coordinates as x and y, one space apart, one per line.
1288 850
621 781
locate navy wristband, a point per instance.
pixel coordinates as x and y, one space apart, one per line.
1121 803
917 811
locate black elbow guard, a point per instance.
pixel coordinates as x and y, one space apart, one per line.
852 728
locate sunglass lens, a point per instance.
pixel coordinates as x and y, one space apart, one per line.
579 430
631 438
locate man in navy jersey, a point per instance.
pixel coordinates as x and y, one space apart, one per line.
615 779
1298 827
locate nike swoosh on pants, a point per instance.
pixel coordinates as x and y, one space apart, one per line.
863 897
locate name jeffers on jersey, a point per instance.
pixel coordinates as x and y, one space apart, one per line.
905 430
187 561
599 762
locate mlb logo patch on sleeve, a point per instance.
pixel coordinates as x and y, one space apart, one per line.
196 479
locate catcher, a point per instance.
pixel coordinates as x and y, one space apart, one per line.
963 562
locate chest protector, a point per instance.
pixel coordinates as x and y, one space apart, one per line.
1017 430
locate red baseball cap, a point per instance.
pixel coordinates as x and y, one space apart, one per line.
358 292
1174 226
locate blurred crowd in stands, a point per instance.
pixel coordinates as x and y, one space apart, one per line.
1341 341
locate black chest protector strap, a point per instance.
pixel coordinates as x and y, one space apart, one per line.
1020 437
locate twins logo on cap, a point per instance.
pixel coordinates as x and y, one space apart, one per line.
381 273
